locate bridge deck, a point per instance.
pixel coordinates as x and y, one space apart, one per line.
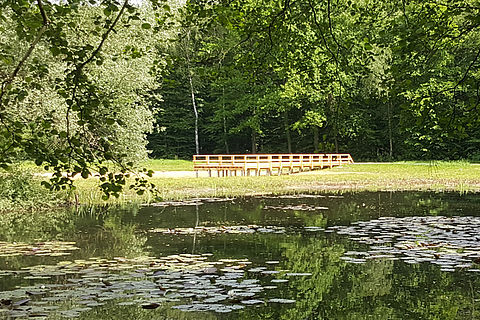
270 163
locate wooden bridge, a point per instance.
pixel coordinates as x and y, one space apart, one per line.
226 165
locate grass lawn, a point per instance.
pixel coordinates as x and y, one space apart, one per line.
167 165
435 176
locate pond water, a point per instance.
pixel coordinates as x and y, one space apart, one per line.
289 257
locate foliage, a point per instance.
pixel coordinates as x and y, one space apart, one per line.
72 95
20 190
396 80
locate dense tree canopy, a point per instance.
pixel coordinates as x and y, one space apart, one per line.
389 80
89 83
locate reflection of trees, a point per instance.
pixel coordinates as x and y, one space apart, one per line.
425 292
110 234
35 226
309 218
370 205
316 255
336 290
112 311
31 228
96 231
376 290
120 239
319 257
360 291
381 289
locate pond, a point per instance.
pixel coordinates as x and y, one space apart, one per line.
399 255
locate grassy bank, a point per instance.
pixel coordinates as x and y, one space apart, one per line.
435 176
167 165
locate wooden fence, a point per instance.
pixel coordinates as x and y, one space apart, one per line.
269 163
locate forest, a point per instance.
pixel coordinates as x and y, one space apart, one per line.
88 82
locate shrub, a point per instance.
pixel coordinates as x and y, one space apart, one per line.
21 190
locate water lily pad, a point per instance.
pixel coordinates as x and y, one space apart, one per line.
198 307
277 300
279 280
253 301
449 242
301 207
220 230
152 305
269 272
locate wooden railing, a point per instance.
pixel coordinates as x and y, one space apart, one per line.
270 163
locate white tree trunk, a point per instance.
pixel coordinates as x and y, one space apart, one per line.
195 111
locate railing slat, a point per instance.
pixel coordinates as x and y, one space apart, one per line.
269 162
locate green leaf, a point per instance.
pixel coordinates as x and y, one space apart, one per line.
46 184
85 173
107 11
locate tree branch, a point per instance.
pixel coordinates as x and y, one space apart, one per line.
104 37
27 54
13 75
334 56
78 70
330 26
467 71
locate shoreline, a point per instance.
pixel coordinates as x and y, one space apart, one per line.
179 184
182 185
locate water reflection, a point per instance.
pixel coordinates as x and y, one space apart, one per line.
382 289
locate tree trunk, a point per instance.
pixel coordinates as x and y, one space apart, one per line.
225 140
192 91
254 141
336 126
336 142
390 139
333 106
195 111
287 133
315 139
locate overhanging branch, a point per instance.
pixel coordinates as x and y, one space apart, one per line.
27 54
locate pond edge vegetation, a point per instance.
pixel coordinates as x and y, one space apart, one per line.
20 188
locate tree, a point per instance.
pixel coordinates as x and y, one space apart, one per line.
62 102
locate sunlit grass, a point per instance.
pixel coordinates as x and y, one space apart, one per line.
167 165
435 176
151 164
